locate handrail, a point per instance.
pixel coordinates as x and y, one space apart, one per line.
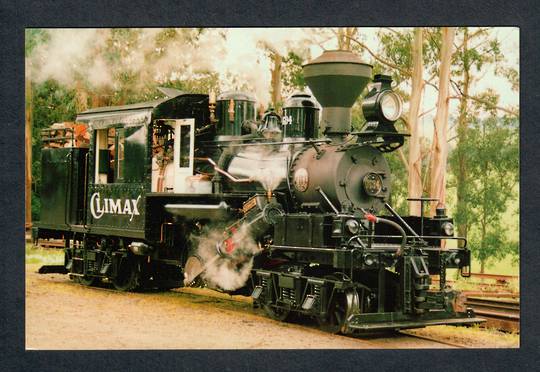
437 237
86 156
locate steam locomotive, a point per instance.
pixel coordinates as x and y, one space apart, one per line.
292 210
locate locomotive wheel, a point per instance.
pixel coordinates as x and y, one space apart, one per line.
342 306
276 313
129 275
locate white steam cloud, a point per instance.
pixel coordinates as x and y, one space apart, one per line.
231 271
238 55
269 166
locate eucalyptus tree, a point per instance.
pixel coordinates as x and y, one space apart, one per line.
439 156
476 51
492 156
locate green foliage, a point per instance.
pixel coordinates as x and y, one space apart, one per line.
202 83
481 50
396 48
432 49
36 206
32 38
492 156
43 256
511 74
398 198
291 73
399 185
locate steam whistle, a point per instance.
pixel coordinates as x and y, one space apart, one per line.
271 126
269 195
231 110
212 106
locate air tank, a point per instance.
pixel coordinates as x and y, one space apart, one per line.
233 109
301 115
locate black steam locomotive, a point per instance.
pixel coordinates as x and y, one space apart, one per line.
195 191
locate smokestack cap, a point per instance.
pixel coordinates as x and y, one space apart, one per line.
337 77
337 56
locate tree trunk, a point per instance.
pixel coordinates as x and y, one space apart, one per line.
485 200
461 202
98 99
415 153
276 81
28 146
344 36
340 39
482 239
81 98
440 150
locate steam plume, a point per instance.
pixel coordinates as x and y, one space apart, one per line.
238 56
269 166
230 272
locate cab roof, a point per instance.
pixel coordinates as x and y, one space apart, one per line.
141 113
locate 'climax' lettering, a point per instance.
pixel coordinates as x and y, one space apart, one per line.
99 207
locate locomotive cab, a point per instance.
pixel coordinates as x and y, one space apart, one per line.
136 150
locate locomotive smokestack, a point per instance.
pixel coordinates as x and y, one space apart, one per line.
336 79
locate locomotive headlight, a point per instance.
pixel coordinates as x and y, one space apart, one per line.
382 106
373 184
391 105
353 226
448 228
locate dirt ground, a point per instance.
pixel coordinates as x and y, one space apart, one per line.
63 315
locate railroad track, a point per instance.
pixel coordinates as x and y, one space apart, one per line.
484 282
500 313
447 343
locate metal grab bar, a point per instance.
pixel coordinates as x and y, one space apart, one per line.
372 218
437 237
85 188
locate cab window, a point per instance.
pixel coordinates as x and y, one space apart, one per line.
109 155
